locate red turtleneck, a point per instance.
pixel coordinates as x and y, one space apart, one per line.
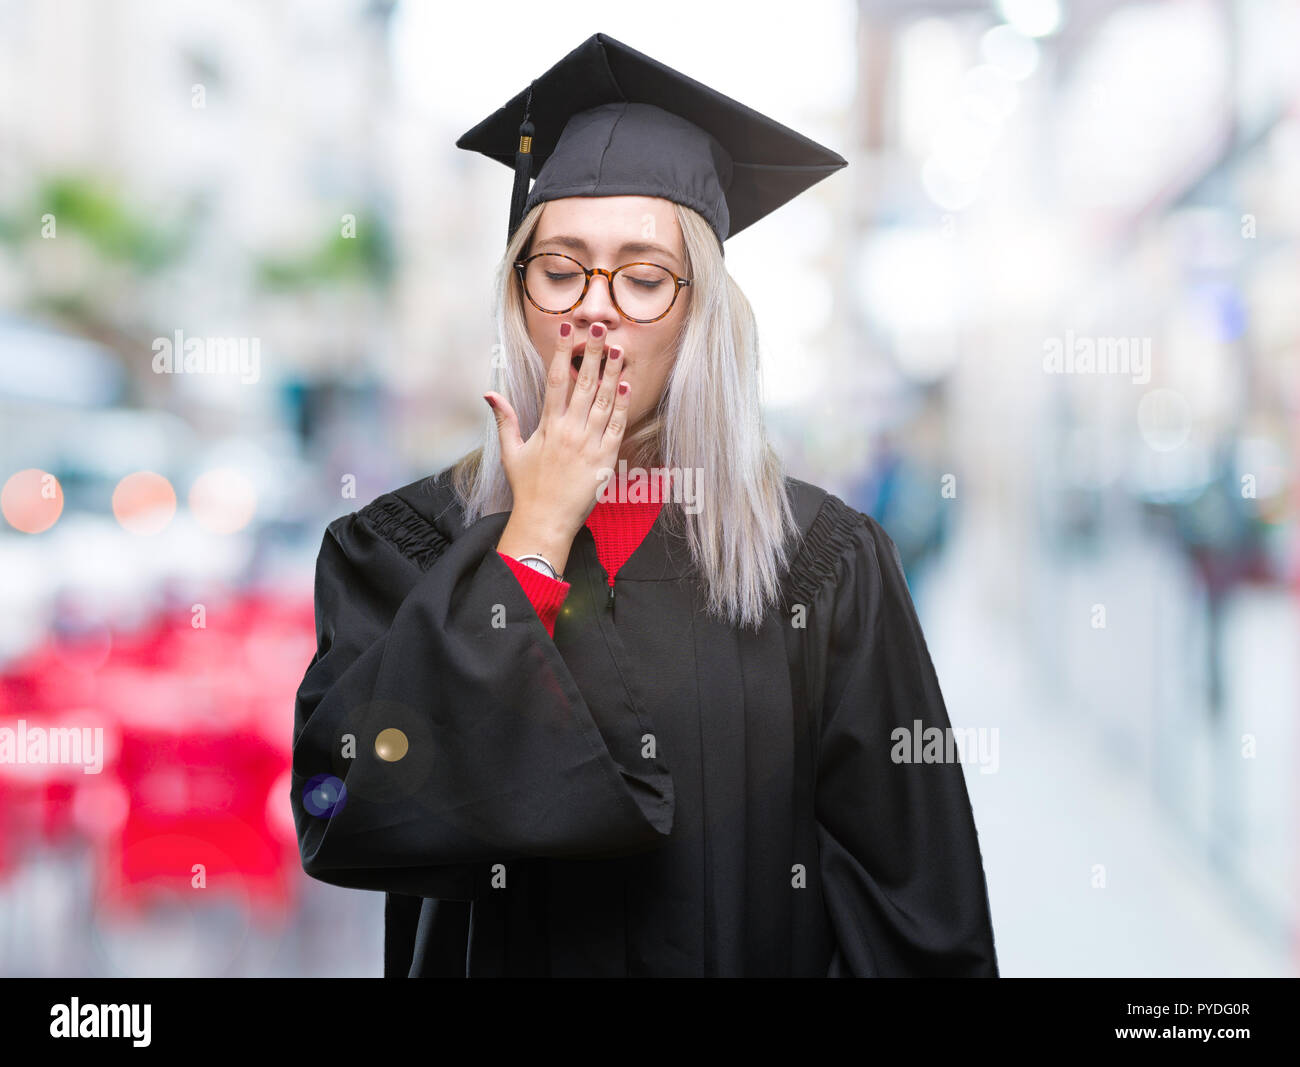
617 527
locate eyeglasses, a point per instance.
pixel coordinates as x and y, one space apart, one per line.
642 292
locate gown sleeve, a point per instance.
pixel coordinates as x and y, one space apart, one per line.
900 859
438 731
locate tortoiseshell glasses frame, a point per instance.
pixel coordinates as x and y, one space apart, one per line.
522 267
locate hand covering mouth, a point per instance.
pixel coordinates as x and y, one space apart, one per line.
576 363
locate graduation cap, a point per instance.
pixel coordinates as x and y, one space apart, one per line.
607 120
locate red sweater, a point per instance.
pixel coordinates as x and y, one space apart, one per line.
618 529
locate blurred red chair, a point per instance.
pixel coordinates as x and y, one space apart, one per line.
197 727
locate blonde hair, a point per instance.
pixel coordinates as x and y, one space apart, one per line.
708 419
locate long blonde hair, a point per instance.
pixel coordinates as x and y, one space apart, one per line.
709 419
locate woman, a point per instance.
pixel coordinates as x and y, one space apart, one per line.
572 733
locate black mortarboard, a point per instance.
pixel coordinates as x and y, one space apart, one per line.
607 120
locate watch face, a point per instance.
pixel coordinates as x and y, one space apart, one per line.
539 566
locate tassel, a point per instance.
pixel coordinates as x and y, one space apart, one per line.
523 167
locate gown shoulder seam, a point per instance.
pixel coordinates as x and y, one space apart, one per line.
824 549
414 536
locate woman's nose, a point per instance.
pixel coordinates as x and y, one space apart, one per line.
598 303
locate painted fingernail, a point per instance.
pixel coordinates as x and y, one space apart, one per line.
597 330
623 388
615 352
566 329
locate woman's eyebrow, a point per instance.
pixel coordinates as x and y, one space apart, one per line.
579 245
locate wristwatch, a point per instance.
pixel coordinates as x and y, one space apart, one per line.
542 565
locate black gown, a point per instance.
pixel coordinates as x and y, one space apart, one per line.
651 792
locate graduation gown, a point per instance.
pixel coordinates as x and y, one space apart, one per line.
650 793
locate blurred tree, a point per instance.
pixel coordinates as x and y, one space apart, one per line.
91 299
367 257
99 214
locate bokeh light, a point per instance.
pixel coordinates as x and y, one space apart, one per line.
32 500
144 503
223 500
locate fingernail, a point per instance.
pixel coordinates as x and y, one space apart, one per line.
623 387
615 352
597 330
566 329
491 403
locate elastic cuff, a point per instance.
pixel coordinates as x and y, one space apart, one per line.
545 594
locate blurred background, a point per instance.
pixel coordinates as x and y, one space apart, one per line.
1044 327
